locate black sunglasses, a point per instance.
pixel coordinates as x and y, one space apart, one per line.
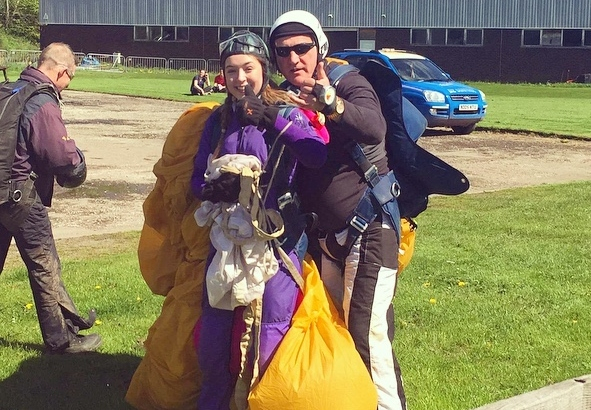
299 49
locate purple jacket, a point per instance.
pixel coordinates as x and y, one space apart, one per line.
43 146
301 139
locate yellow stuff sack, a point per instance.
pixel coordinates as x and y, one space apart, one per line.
316 365
407 242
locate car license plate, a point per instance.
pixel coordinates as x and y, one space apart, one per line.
468 107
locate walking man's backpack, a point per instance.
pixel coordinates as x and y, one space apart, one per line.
13 97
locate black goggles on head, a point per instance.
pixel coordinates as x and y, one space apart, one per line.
245 43
299 49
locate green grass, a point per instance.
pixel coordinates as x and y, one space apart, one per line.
553 109
494 303
106 278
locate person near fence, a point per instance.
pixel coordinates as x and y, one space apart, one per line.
360 274
200 84
251 126
44 153
219 83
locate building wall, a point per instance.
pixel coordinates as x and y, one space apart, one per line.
500 58
111 39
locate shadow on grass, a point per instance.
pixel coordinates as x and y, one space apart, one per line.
88 381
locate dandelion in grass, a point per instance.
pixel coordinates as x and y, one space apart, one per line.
461 284
138 299
427 284
432 301
97 287
98 322
29 306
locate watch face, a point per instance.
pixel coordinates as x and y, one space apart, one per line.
329 95
340 107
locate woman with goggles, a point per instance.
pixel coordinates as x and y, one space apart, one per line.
252 121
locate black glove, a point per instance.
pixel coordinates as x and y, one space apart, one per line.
252 111
225 188
74 177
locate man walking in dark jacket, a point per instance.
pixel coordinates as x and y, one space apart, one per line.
45 153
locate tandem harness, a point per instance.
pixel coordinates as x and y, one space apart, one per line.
380 196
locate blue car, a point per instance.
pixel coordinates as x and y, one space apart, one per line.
443 101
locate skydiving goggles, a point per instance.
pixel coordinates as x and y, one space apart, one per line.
243 42
299 49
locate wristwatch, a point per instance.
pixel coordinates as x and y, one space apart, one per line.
327 95
339 109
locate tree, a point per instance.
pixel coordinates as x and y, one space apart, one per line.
21 18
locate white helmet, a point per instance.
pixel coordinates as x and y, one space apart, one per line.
307 19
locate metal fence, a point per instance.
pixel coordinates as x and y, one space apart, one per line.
146 63
28 57
116 61
187 64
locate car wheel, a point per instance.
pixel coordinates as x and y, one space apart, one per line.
464 129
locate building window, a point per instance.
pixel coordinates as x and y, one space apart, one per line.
474 37
259 31
446 37
437 37
160 33
455 37
551 37
572 38
418 36
225 32
531 37
556 38
367 39
140 33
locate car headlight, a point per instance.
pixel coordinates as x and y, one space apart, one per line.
434 96
482 95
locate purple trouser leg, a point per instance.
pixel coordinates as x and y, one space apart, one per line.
279 301
215 336
213 353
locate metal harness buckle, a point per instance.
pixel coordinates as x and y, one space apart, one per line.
359 223
372 176
285 200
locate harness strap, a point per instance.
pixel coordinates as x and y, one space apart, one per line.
384 189
370 171
379 197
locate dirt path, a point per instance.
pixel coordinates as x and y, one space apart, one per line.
122 139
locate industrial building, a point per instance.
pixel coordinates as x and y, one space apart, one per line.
484 40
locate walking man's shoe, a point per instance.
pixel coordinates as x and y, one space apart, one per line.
82 344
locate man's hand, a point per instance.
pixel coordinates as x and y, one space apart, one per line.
311 88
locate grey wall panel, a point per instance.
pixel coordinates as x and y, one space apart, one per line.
331 13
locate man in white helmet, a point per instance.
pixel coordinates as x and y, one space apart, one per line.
360 274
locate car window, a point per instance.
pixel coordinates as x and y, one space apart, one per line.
418 70
357 61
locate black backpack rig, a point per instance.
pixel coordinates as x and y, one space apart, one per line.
13 98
